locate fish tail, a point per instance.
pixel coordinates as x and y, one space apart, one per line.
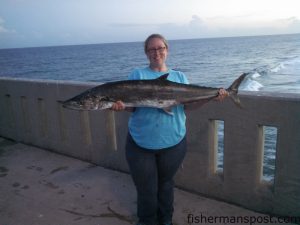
233 89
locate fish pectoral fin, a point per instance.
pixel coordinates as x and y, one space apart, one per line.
168 110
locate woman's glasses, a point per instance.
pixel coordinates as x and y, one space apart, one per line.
159 50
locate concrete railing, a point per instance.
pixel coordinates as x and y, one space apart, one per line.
30 113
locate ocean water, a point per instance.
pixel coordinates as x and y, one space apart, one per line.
272 61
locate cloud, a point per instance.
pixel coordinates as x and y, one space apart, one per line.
287 25
292 22
195 27
3 29
198 27
196 21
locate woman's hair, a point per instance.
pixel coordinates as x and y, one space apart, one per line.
155 36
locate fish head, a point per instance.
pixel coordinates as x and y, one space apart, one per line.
88 102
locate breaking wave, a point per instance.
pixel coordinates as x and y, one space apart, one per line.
251 83
281 75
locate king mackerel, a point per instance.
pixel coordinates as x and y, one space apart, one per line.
157 93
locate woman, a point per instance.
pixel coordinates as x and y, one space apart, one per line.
156 143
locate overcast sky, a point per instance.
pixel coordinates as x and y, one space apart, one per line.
25 23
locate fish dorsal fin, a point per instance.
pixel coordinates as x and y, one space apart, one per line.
163 77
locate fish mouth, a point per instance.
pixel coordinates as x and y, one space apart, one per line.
76 105
72 105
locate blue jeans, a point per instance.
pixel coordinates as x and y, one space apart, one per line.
152 172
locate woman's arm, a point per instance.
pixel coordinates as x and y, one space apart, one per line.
221 96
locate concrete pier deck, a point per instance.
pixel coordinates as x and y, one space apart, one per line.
39 187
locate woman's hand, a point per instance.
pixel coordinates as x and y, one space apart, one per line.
222 95
118 106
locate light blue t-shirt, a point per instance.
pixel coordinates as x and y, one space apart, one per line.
152 128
